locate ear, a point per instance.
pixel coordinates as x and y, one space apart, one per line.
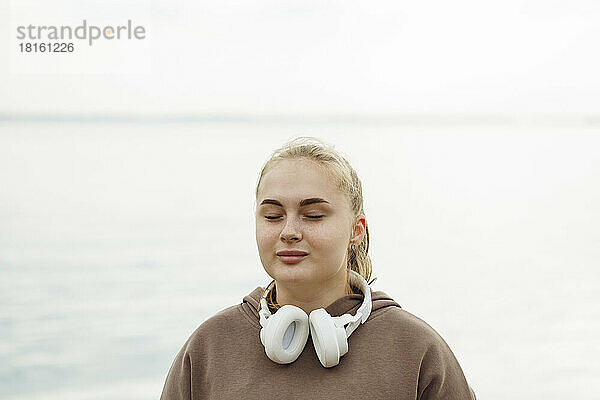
359 229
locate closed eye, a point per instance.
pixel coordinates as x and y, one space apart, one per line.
307 216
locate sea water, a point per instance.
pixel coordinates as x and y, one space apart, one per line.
117 239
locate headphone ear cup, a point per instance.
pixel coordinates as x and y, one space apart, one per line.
330 341
285 335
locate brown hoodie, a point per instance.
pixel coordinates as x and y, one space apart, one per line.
393 355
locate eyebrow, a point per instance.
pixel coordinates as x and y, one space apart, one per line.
302 203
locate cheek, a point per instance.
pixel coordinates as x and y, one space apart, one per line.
330 238
265 235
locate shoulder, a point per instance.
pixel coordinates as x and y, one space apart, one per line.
227 323
401 320
203 348
405 328
222 320
439 373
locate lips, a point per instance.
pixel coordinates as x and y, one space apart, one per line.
291 256
291 253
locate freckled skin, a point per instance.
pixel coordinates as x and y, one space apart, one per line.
321 276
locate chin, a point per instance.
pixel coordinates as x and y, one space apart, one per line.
291 273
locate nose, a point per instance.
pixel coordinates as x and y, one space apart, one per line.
290 231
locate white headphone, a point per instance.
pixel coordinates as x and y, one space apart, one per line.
284 334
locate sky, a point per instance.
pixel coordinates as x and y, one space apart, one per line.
308 57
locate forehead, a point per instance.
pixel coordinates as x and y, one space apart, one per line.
297 179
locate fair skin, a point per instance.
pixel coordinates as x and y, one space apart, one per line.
299 207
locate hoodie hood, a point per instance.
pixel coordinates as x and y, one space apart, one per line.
348 304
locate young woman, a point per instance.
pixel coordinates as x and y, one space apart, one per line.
317 330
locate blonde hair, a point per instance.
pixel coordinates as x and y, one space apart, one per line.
348 182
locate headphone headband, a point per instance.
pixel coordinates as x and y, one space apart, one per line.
352 321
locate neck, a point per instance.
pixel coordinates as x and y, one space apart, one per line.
309 297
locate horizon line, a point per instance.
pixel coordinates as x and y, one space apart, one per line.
420 118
